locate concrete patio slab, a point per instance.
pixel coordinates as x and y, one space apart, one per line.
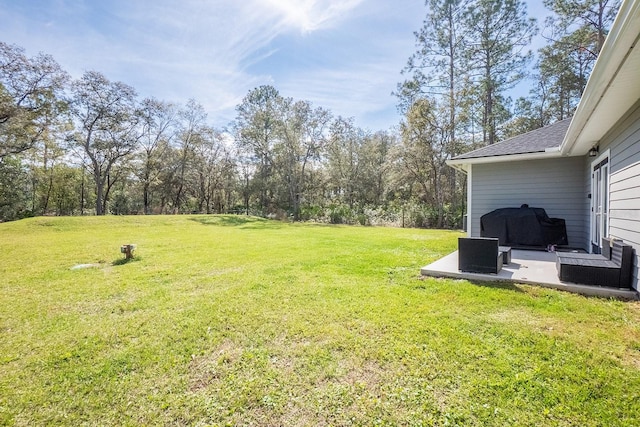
530 267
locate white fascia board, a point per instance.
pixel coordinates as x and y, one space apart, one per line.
462 164
462 167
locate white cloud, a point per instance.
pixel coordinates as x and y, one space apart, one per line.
311 15
217 50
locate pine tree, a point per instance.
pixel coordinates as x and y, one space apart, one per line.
499 35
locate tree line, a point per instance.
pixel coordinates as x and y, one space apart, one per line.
92 146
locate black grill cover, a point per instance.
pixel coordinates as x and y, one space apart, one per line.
524 226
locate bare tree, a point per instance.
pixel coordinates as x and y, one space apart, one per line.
343 159
191 123
214 171
158 121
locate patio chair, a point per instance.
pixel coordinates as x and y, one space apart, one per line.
479 255
598 270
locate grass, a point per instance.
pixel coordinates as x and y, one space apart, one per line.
229 320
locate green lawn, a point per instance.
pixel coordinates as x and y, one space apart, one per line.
228 320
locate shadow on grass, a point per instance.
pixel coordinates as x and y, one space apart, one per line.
496 285
238 221
123 261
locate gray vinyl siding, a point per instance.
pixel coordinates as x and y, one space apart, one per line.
557 185
624 187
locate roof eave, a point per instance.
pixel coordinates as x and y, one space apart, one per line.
463 164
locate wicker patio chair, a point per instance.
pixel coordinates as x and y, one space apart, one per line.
598 270
479 255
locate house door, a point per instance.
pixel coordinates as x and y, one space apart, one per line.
599 201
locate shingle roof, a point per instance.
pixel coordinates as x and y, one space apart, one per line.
535 141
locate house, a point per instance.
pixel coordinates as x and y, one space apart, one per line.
585 169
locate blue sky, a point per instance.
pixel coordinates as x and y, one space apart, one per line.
344 55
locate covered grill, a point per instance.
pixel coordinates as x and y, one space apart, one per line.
524 226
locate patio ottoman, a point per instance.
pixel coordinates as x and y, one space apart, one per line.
506 254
